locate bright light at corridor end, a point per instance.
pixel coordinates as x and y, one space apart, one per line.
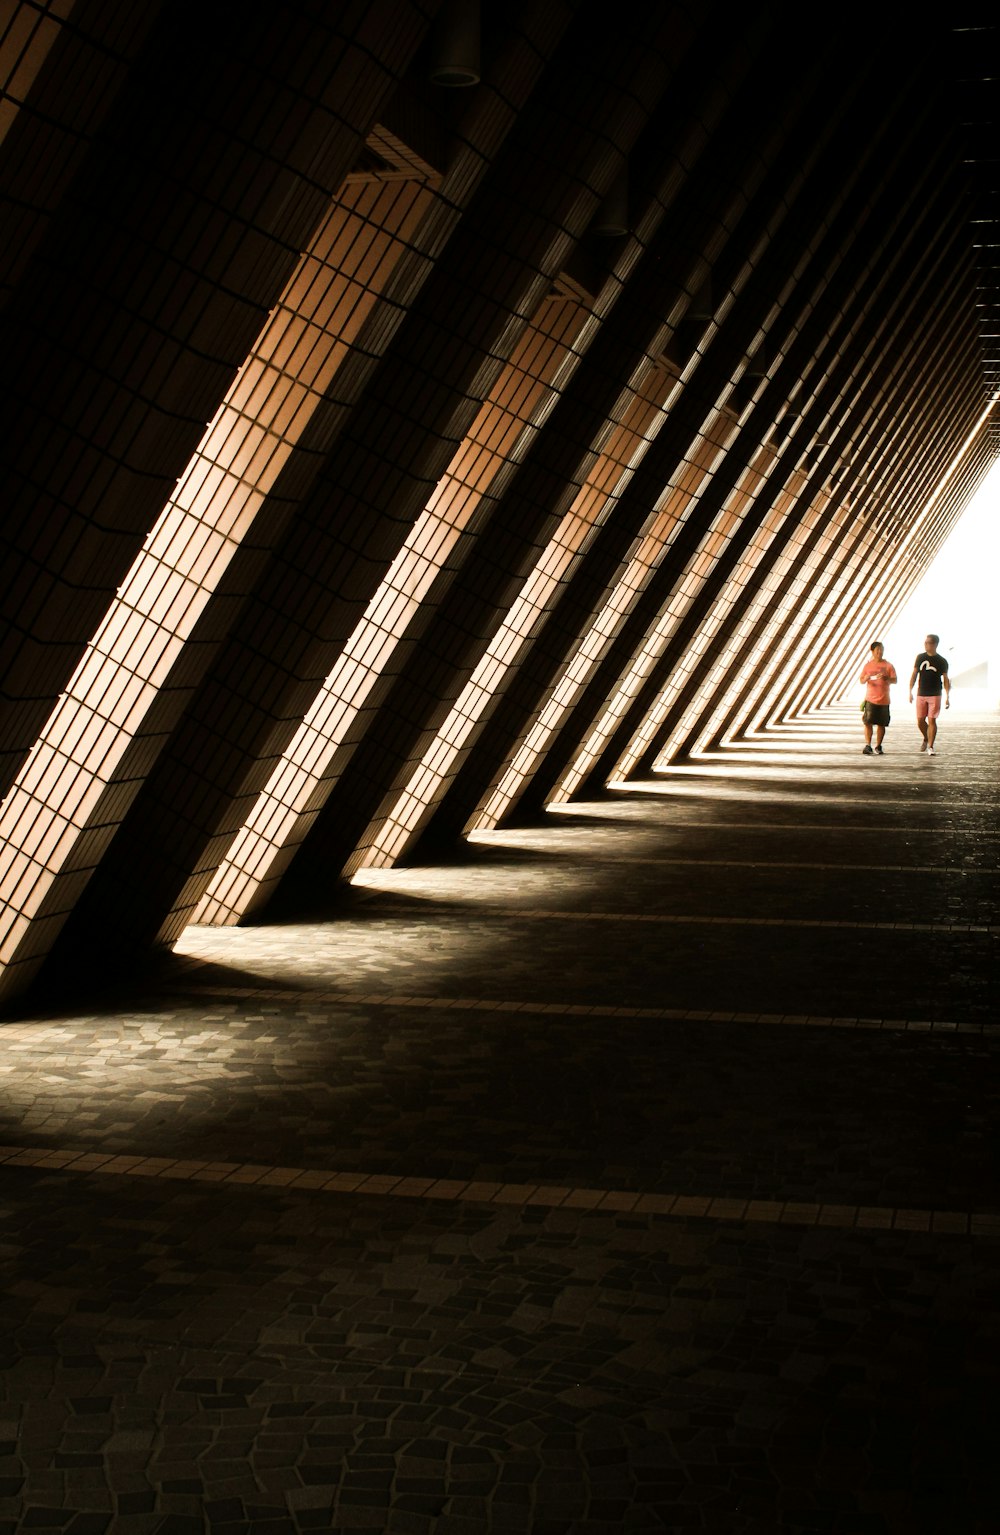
957 600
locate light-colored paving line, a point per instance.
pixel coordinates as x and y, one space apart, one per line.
543 915
551 1196
940 871
576 1009
870 830
766 791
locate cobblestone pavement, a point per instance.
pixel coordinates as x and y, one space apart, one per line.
632 1172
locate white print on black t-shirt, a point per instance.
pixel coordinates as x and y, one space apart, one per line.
930 670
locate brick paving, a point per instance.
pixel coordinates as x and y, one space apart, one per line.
636 1171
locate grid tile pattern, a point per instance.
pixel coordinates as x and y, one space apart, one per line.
687 587
500 434
735 599
27 34
430 475
642 413
244 449
650 550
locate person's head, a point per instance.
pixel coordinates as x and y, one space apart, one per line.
931 643
878 649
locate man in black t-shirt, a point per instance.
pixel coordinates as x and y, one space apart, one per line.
930 673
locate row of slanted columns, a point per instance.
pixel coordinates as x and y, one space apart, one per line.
369 486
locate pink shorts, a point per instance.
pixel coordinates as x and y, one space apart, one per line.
928 708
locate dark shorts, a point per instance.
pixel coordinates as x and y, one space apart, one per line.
876 714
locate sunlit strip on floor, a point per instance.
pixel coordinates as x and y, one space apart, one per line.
686 919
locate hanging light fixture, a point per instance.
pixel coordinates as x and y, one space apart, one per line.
455 45
689 328
611 218
749 381
702 307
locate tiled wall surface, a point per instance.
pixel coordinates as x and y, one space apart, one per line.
386 459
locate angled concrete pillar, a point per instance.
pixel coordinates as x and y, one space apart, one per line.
153 265
799 359
466 310
503 559
527 696
918 349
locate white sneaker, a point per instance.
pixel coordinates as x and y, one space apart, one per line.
931 752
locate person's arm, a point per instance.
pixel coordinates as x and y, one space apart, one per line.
913 678
947 689
864 675
892 672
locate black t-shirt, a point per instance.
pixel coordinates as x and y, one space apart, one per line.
929 670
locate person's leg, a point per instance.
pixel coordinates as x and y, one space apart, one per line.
879 736
933 707
931 731
922 721
868 734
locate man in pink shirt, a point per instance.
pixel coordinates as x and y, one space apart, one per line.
877 675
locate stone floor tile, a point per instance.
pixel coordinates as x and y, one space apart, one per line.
621 1235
